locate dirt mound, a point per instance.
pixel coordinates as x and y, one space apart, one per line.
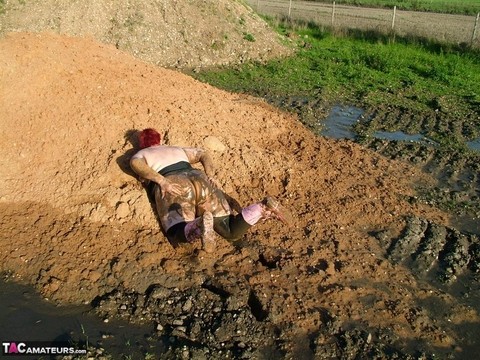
78 225
170 33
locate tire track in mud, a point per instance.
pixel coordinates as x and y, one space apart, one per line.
424 246
448 260
457 174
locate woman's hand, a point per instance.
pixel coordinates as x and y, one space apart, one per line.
168 187
214 182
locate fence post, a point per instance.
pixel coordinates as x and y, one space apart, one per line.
333 14
474 29
393 18
289 9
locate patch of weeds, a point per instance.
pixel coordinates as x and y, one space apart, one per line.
446 201
133 21
85 335
218 45
215 45
450 142
2 5
248 37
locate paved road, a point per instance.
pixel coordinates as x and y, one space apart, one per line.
444 27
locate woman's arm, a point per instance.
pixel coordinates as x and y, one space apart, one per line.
197 155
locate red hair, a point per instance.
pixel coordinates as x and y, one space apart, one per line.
148 137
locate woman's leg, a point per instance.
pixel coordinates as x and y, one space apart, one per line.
199 229
231 227
176 234
234 226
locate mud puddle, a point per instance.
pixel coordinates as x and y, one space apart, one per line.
474 145
340 124
399 136
25 316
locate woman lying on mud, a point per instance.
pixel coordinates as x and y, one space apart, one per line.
189 203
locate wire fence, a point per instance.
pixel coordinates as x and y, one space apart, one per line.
456 29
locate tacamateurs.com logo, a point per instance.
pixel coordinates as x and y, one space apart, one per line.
25 348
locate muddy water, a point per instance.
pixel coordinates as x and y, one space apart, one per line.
25 316
474 144
341 121
338 124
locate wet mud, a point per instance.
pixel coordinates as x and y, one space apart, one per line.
457 174
26 317
226 318
453 163
402 134
442 253
447 259
223 316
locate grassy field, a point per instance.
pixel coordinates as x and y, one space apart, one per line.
367 70
468 7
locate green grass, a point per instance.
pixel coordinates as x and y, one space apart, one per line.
360 69
468 7
364 69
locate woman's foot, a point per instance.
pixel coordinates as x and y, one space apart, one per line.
208 234
273 209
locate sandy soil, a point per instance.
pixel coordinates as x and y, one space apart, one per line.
77 224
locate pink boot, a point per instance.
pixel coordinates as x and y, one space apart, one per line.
268 208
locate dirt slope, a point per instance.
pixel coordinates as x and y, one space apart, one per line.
76 223
170 33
